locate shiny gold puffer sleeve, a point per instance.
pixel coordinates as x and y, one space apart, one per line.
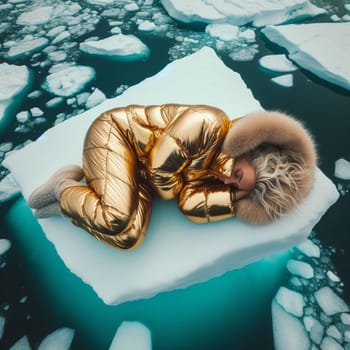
201 202
186 147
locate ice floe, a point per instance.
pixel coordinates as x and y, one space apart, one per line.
21 344
321 48
342 169
95 98
277 63
120 47
132 336
69 81
285 80
224 89
59 339
17 79
237 12
26 47
39 15
5 245
318 320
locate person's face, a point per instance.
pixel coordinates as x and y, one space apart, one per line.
243 176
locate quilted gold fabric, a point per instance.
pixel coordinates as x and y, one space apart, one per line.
131 153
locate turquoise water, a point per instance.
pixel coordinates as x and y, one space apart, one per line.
39 294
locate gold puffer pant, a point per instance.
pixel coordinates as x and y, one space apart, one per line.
130 153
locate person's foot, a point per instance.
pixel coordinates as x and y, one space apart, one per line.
51 209
46 193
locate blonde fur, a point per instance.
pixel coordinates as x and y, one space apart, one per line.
285 177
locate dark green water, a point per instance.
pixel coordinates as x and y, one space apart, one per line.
229 312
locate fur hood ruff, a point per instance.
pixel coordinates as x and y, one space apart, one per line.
275 128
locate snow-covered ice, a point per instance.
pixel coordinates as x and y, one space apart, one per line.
342 169
321 48
69 81
17 79
39 15
285 80
132 336
239 12
139 273
59 339
95 98
224 31
277 63
119 47
330 302
309 249
26 47
329 343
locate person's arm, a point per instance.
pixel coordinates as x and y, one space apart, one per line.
189 141
202 203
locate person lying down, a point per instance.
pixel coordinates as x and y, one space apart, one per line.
257 168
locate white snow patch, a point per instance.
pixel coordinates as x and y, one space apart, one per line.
330 302
59 339
132 336
119 46
277 63
69 81
342 169
321 48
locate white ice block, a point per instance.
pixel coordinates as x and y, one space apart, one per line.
176 252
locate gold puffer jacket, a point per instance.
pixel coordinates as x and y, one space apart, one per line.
130 153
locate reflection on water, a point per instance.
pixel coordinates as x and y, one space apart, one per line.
39 294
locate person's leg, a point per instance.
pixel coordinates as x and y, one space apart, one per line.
113 205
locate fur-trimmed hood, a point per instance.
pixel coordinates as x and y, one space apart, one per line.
278 129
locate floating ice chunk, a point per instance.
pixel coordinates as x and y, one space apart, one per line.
8 188
147 26
59 339
291 301
36 112
69 81
2 326
288 331
22 116
119 46
330 302
346 18
347 336
237 12
303 42
95 98
5 245
347 7
285 80
131 7
26 47
309 249
247 35
54 102
132 336
225 32
150 270
39 15
17 79
316 332
60 37
329 343
334 332
55 31
332 276
277 63
22 344
335 18
100 2
300 268
345 318
342 169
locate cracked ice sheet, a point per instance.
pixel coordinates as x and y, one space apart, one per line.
321 48
237 12
166 260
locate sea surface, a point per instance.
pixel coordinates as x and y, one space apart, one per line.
38 294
